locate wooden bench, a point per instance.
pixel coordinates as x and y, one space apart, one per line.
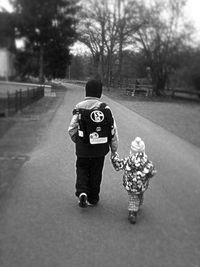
142 89
129 91
182 91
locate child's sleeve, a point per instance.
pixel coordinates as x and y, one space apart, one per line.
117 163
151 169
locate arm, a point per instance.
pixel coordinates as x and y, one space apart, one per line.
151 169
115 140
73 127
117 163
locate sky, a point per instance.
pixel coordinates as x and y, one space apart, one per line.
192 12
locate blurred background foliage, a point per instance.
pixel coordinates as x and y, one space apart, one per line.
125 39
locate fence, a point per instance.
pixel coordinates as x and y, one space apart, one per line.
133 87
145 90
182 92
11 103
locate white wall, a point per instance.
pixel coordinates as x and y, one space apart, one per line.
6 63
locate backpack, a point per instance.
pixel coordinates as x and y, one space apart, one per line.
95 126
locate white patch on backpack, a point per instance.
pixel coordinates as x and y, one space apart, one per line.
97 116
80 133
98 129
95 139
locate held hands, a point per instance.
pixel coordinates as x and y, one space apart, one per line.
114 155
116 162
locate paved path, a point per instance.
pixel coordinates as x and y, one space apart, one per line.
42 226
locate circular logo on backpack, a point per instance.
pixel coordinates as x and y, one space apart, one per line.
97 116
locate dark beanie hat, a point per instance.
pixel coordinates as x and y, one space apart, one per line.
93 88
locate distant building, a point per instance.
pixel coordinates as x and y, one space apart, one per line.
7 46
6 63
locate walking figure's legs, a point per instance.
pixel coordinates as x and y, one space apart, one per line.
133 207
141 198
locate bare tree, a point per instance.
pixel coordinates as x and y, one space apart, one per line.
91 30
105 27
161 38
129 22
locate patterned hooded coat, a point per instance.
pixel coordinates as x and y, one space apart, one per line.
137 171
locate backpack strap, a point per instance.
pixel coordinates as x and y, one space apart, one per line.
74 111
77 110
103 105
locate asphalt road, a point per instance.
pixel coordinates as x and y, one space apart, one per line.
41 224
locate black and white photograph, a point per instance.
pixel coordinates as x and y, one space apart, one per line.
99 133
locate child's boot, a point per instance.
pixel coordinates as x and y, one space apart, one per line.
141 198
132 216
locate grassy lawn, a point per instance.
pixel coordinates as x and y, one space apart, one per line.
11 88
177 115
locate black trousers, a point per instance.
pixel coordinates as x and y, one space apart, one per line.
89 176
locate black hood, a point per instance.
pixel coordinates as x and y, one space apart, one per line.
93 88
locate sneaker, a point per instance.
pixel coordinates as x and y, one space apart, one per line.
132 217
89 204
92 204
83 200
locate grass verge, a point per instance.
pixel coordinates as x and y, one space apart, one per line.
20 133
177 115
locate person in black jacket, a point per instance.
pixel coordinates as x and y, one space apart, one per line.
90 157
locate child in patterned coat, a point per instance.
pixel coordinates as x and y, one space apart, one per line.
137 172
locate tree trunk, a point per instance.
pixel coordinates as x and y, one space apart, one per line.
96 64
159 83
41 64
102 71
120 44
120 63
